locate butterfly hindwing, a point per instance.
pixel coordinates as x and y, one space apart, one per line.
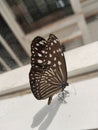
57 59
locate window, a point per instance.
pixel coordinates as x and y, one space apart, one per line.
33 14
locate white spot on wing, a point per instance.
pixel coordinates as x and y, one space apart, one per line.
49 48
55 41
31 74
59 50
59 63
50 55
51 43
61 54
41 42
37 44
54 65
53 51
36 48
49 62
43 52
40 61
33 78
54 58
39 55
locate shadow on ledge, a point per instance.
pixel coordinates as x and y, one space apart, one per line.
45 116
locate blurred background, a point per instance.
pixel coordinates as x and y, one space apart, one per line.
75 23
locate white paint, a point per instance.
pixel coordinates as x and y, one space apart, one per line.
79 113
16 79
83 59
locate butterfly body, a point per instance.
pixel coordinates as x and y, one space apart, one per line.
48 74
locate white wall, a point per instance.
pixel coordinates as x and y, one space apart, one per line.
93 29
80 112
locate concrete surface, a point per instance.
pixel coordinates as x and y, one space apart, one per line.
80 112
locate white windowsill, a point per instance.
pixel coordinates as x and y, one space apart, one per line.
80 60
80 112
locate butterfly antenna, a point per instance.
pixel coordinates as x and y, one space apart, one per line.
49 100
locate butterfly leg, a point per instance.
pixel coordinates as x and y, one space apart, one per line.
63 95
49 100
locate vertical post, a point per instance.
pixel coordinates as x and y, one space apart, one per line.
76 6
10 19
84 29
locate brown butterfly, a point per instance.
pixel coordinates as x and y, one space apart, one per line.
48 74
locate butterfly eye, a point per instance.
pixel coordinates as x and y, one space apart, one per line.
48 74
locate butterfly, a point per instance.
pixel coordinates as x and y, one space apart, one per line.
48 73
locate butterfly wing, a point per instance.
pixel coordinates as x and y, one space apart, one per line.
56 74
48 70
38 64
57 59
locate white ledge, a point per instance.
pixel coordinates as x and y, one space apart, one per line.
82 59
79 61
80 112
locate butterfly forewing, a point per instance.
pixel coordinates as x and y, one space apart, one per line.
48 67
38 51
